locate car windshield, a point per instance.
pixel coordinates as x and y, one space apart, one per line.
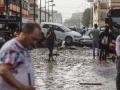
65 29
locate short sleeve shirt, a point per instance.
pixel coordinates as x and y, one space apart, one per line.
95 33
14 53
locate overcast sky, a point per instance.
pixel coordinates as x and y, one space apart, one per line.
67 7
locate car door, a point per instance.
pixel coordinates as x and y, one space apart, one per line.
45 29
59 32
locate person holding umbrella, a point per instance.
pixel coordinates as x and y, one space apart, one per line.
51 37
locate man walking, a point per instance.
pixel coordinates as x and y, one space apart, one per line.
51 37
105 38
16 69
95 36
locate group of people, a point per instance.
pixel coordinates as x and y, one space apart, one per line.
101 42
16 68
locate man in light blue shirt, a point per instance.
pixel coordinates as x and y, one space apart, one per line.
95 36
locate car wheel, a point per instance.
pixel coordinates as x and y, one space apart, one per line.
68 40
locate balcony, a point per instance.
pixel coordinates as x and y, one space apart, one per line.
17 9
103 5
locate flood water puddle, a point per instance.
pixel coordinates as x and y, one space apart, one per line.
72 70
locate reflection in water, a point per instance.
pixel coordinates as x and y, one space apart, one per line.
49 67
49 74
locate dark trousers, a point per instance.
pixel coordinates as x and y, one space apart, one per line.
50 48
103 52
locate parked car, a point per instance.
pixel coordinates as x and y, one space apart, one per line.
62 33
86 40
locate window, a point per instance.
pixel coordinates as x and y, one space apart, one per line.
115 13
46 26
58 28
103 15
8 1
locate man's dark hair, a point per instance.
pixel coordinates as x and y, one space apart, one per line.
30 27
95 25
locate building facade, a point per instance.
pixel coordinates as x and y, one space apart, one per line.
57 17
10 14
11 8
31 12
43 13
101 8
14 7
74 21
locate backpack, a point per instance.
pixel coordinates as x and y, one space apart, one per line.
104 40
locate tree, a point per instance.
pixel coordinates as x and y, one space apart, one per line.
87 17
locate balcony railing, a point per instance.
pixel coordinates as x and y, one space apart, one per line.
103 5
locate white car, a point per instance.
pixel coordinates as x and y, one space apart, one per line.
62 33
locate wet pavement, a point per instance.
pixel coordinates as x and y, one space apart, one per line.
74 69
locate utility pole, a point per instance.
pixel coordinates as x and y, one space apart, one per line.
7 13
45 10
20 14
7 8
48 11
40 11
53 12
34 17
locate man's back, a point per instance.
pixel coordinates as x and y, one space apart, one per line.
95 33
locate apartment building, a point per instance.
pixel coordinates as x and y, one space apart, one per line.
33 10
11 9
101 8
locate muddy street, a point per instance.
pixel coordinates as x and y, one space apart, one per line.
74 69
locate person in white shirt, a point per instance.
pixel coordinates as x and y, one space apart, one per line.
118 62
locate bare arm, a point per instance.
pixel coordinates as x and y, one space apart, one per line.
5 72
48 35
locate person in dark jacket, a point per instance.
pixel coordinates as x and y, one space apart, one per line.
105 38
51 37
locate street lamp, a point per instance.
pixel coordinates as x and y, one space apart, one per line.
48 9
20 14
40 11
52 11
7 8
34 17
45 10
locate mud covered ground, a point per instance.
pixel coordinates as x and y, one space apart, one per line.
74 69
